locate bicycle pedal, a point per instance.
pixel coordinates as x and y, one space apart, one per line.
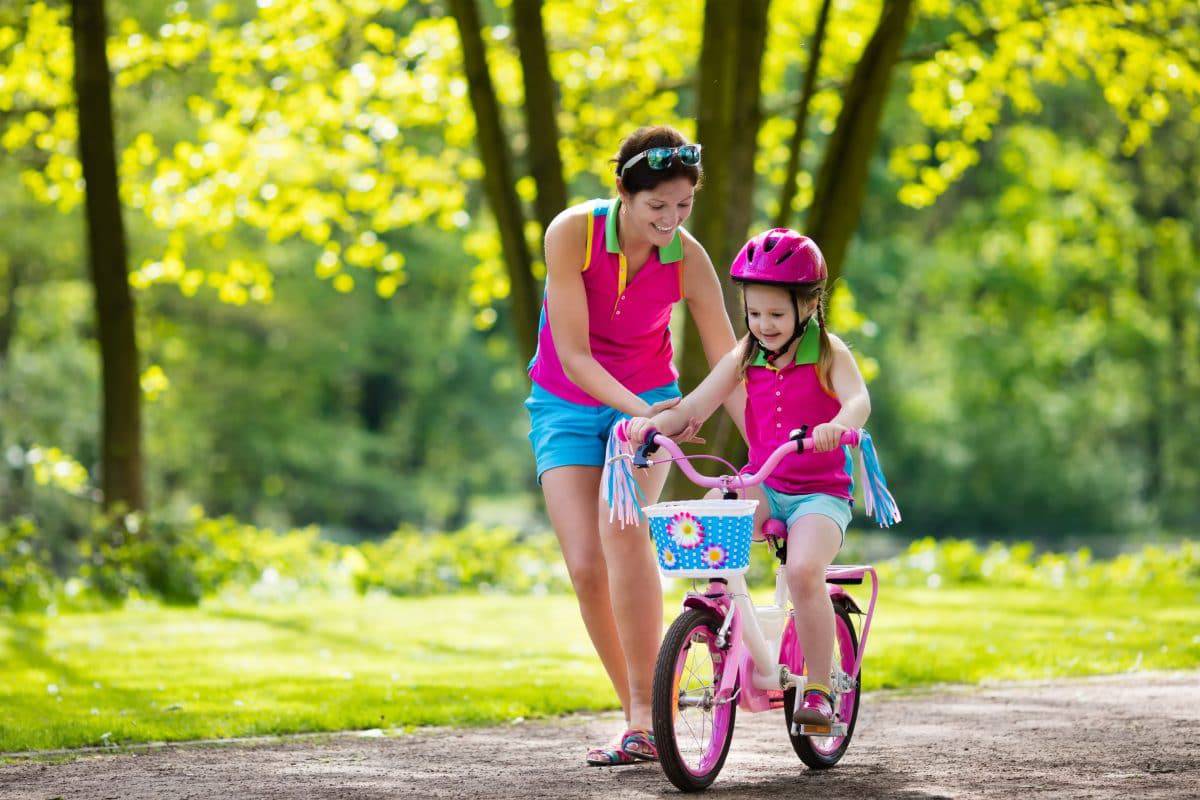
837 729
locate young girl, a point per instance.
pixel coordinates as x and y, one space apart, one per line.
797 375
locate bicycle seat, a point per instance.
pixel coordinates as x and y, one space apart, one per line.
772 527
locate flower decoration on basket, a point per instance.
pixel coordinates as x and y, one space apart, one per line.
714 556
685 530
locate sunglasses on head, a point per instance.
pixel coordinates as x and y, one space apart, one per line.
661 157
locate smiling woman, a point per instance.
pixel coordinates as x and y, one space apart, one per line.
615 268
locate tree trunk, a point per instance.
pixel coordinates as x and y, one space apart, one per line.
728 116
12 478
788 194
727 126
8 314
715 131
121 451
498 180
842 181
744 125
541 124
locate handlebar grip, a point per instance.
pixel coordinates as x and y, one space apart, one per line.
851 437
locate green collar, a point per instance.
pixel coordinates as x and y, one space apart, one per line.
808 351
667 255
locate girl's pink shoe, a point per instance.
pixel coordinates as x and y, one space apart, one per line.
816 711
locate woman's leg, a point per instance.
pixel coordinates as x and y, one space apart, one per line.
813 542
636 595
571 494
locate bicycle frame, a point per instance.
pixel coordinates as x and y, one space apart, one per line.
760 677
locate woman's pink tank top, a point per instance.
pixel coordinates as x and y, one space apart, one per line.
627 319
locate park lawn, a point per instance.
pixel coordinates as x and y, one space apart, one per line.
236 668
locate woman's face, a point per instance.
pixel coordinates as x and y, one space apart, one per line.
771 315
656 214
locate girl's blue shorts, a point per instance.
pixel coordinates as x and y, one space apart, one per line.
791 507
569 434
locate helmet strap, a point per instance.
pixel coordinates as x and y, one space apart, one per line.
798 328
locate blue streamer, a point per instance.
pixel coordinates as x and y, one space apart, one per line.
622 492
879 501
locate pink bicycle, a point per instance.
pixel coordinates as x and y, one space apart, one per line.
723 652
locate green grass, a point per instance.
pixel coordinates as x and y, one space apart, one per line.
237 669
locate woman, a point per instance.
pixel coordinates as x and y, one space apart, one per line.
614 271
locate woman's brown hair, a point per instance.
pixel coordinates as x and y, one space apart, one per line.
640 176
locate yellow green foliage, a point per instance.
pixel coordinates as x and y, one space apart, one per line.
336 123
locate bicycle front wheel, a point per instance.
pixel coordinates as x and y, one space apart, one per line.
692 729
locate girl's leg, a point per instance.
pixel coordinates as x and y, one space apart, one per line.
571 494
813 542
636 595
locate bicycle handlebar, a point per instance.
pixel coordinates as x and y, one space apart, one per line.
655 440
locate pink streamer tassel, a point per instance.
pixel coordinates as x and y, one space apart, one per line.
621 491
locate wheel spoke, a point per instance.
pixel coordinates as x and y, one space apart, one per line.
692 672
692 730
697 690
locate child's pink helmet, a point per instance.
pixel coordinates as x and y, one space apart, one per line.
779 256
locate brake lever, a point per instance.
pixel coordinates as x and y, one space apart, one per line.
641 459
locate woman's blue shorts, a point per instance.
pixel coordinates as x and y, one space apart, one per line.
569 434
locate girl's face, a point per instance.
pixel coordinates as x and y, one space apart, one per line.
655 214
772 317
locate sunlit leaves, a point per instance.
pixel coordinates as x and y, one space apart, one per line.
154 382
52 467
618 64
332 122
1143 55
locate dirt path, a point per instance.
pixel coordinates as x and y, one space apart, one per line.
1130 736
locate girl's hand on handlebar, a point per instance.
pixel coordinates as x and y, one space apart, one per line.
827 436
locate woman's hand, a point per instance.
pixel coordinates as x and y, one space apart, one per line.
827 436
662 406
666 419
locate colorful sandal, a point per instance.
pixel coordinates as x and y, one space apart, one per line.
610 756
639 743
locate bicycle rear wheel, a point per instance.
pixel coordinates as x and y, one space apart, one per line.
692 729
822 752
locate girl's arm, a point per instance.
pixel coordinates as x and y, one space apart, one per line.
706 305
566 239
696 407
851 391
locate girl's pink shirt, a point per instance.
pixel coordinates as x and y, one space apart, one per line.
780 400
